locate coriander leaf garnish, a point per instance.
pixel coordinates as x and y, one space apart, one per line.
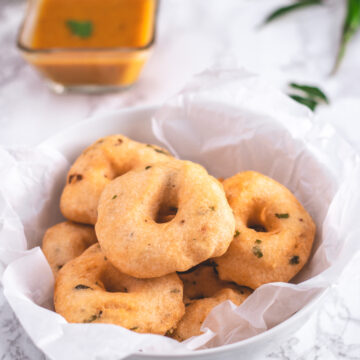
93 317
312 91
310 103
282 216
257 252
214 266
82 29
237 233
82 287
90 319
134 328
290 8
294 260
350 27
258 241
76 177
114 197
161 151
147 167
175 291
171 331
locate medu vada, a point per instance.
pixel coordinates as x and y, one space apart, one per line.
202 281
88 289
65 241
196 311
103 161
132 208
274 233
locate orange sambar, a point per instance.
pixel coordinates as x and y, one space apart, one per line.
89 42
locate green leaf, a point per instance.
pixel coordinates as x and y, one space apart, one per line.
294 260
287 9
351 25
257 252
82 29
82 287
310 103
312 91
282 216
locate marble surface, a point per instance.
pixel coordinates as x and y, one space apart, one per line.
192 35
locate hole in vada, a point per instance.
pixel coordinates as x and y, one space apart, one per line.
165 213
164 218
111 280
256 220
257 227
166 206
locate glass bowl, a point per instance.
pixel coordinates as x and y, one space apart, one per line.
86 69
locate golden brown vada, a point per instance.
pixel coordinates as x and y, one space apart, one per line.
202 281
274 233
65 241
130 226
197 310
101 162
89 289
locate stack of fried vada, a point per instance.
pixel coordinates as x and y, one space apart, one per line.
153 243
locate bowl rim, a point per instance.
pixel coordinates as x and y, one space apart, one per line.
53 142
57 50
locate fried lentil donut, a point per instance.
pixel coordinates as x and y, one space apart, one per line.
274 233
65 241
197 310
202 281
132 208
89 289
103 161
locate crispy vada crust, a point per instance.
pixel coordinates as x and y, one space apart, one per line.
132 234
65 241
89 289
274 233
197 310
103 161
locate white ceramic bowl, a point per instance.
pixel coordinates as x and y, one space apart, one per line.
136 124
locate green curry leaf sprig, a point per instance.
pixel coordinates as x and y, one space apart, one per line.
350 27
284 10
310 96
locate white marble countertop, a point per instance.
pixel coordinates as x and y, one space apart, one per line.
193 34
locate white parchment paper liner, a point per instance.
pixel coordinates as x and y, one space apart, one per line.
229 121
